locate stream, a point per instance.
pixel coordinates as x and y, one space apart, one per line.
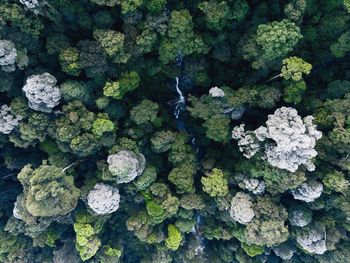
179 114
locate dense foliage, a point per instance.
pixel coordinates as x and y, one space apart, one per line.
174 131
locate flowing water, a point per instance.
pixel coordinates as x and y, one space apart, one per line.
180 104
200 245
179 113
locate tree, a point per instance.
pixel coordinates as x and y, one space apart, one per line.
75 121
130 5
277 180
141 225
125 166
15 247
42 92
268 226
215 184
145 180
174 238
8 55
145 42
162 141
180 40
299 216
241 208
155 6
278 38
56 43
294 91
337 89
84 144
218 14
48 190
252 250
240 9
92 57
35 128
295 10
283 123
109 254
7 120
103 199
181 152
294 67
145 112
336 181
347 5
67 253
312 238
75 90
308 191
217 128
113 43
112 89
14 14
192 201
69 60
342 46
87 242
156 212
127 83
271 41
102 125
182 177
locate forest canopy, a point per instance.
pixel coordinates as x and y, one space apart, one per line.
168 131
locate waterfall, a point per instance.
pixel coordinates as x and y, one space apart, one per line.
200 247
179 112
180 104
